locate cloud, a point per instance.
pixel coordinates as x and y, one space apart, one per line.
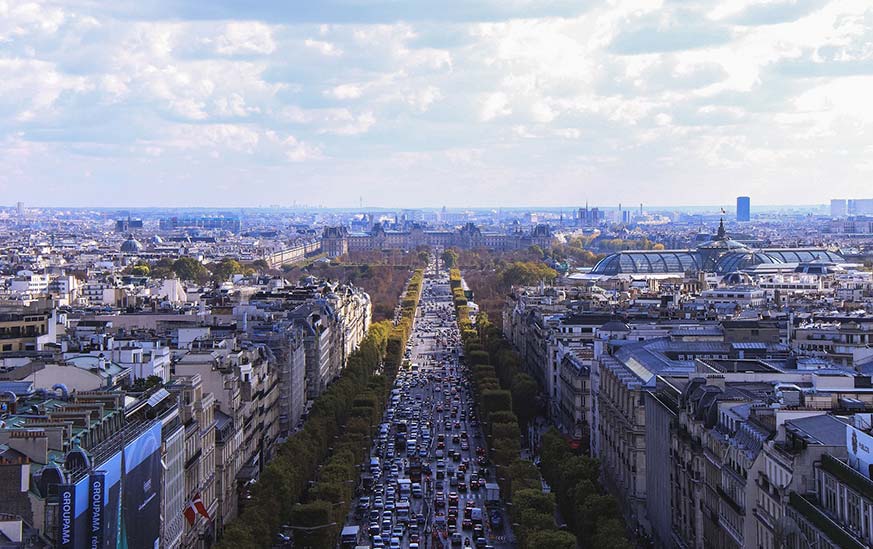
511 101
322 47
245 38
494 105
661 37
777 12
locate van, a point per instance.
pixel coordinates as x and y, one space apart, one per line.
375 466
476 514
405 487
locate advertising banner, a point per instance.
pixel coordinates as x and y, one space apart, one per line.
111 469
97 501
73 514
141 494
66 515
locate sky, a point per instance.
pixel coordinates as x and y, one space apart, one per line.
418 103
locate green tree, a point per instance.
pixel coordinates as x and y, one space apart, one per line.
188 268
553 539
226 268
610 534
260 265
140 269
524 397
450 258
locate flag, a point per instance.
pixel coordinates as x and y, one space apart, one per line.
198 505
190 514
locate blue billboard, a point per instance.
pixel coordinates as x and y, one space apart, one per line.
73 514
117 504
141 493
105 504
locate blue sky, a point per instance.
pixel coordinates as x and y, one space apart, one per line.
406 103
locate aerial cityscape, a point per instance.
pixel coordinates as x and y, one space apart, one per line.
359 274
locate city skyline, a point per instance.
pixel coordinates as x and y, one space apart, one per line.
180 103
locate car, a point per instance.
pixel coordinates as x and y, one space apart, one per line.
462 486
495 519
467 524
394 543
481 543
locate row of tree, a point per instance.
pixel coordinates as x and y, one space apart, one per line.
189 268
506 401
593 514
311 479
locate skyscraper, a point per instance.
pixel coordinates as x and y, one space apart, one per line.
743 208
839 207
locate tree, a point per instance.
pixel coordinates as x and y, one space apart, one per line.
188 268
312 523
261 265
450 258
553 539
226 268
610 535
524 397
140 269
423 257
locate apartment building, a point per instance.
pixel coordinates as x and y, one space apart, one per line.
27 329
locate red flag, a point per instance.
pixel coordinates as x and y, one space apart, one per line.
190 514
198 504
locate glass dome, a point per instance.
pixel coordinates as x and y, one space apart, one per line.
634 262
739 261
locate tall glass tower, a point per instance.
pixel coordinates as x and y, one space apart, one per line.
743 208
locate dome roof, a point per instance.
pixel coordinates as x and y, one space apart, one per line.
635 262
726 244
739 261
131 246
736 279
804 255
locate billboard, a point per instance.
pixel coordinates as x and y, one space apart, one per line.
141 494
117 504
73 514
105 504
860 446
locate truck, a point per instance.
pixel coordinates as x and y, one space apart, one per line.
349 536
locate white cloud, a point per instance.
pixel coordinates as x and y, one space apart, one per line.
345 91
324 48
494 105
245 38
633 90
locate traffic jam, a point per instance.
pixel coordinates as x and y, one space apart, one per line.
429 483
